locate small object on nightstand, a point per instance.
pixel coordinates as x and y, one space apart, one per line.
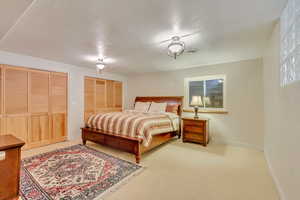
195 130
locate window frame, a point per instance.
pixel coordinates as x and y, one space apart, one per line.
204 78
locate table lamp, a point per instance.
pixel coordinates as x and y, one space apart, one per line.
196 102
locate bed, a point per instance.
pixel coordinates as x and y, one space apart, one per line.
136 144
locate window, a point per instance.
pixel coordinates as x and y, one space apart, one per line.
290 43
210 88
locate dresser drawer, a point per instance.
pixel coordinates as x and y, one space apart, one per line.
194 129
193 123
194 137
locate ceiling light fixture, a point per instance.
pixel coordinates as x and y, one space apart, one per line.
176 47
100 64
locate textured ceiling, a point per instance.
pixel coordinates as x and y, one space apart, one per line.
129 31
10 12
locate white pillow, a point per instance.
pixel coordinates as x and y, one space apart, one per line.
158 107
142 106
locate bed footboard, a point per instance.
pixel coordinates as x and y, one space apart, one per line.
130 145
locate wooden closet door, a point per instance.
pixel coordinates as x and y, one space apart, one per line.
1 89
89 97
2 119
109 93
16 91
2 126
100 95
17 126
39 98
118 94
16 102
59 82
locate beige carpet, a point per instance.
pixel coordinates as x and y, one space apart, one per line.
187 171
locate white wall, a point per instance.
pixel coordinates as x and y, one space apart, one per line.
282 124
76 84
244 123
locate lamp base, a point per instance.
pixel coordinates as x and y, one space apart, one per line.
196 112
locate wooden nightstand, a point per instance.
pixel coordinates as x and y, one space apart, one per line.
195 130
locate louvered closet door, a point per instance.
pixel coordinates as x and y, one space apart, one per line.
100 95
2 126
16 102
2 119
39 99
118 94
89 97
59 95
109 94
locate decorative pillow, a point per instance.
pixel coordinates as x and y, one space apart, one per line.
158 107
142 106
172 108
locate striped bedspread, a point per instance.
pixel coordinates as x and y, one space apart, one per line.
134 124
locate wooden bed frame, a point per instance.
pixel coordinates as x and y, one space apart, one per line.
134 145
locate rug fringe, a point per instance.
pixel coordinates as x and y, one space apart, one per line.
117 186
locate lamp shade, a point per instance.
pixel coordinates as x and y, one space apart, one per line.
196 101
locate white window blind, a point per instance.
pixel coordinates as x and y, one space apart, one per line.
290 43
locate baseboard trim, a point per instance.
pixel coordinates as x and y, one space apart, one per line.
274 177
236 143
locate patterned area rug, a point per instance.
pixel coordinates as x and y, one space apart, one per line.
76 172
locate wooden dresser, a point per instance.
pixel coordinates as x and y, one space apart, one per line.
10 156
195 130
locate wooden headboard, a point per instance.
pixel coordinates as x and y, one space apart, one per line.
170 100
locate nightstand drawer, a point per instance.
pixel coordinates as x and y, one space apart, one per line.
194 136
193 123
194 129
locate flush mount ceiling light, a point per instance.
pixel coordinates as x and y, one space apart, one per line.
176 47
100 64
